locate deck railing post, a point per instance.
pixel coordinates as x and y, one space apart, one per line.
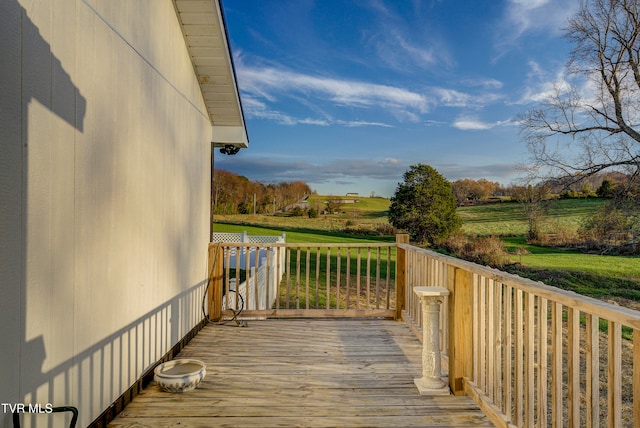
215 279
431 298
460 318
401 269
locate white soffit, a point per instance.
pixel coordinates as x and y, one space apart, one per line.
206 38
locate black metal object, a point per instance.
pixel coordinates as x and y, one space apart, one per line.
73 410
229 149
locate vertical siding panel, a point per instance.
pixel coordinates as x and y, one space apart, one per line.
85 225
12 195
61 184
37 62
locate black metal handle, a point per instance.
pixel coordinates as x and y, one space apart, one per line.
73 410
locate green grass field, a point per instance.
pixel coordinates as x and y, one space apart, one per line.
623 267
508 219
595 275
367 216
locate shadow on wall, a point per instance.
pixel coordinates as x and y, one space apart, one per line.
113 364
68 104
30 71
98 373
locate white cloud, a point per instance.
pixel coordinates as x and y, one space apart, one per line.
399 53
469 124
269 91
270 169
399 47
263 81
528 15
474 124
256 109
529 4
542 85
522 16
391 161
357 123
425 56
264 88
484 83
452 97
273 84
502 172
455 98
253 107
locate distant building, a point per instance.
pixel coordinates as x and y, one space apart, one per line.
343 201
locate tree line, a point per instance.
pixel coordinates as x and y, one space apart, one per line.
604 185
425 206
235 194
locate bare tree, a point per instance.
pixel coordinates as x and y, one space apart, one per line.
535 204
578 133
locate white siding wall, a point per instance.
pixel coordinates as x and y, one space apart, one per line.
104 198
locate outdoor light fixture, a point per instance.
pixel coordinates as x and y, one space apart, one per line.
229 150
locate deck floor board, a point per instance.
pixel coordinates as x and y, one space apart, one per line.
303 373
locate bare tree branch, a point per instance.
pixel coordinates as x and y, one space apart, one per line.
577 133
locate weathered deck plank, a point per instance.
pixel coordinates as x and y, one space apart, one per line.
303 373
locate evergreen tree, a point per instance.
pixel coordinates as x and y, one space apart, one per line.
424 205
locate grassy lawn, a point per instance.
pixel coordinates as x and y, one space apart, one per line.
297 231
623 267
595 275
508 219
362 218
370 207
599 276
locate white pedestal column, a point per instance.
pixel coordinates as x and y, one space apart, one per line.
431 382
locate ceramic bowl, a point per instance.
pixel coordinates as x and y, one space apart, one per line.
179 375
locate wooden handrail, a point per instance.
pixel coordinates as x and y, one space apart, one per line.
619 314
306 245
517 346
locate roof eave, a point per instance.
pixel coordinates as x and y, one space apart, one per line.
205 35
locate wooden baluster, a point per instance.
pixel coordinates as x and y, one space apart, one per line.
401 269
460 320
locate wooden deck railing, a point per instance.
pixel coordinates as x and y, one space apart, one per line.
302 280
527 353
530 354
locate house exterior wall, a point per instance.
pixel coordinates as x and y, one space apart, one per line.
104 198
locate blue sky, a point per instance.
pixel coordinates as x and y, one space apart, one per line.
347 94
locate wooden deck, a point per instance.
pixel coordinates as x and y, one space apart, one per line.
303 373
